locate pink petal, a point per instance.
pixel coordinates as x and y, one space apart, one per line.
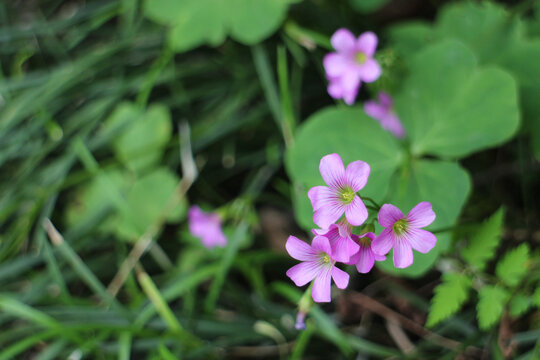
343 248
384 242
365 261
299 250
349 96
421 215
370 71
403 256
304 272
388 215
385 100
351 80
321 286
367 43
421 240
332 170
327 215
335 89
357 174
335 65
375 110
321 243
343 41
379 257
356 212
322 196
214 237
392 123
341 278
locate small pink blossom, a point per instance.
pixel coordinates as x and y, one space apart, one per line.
207 227
351 64
404 233
317 265
330 202
364 258
339 235
383 112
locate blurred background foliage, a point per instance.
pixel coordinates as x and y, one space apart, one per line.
115 115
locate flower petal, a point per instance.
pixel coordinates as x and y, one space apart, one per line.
357 174
385 100
421 215
370 71
375 110
365 260
341 278
343 248
214 237
403 255
384 242
421 240
343 41
336 65
367 43
388 215
328 214
322 196
356 212
392 123
335 89
321 243
332 170
349 96
300 250
304 272
321 286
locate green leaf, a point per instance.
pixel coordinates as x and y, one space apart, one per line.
450 107
513 266
520 304
450 295
198 22
367 6
490 305
536 297
354 136
446 186
409 37
142 137
484 241
148 201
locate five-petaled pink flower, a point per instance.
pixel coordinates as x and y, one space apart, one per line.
207 227
316 264
383 112
330 202
404 233
351 64
339 235
364 258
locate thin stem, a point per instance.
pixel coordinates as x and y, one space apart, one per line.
377 206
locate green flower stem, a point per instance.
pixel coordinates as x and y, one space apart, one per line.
375 204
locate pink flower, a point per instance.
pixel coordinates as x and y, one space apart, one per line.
330 202
365 258
316 264
207 227
339 236
351 64
403 233
383 112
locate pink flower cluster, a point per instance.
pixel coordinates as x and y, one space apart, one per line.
336 241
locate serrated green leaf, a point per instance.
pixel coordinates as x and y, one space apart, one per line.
513 266
490 305
450 295
484 241
520 304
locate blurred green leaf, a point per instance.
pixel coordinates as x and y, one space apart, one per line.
147 202
536 297
449 296
368 6
198 22
409 37
354 136
446 186
484 241
142 137
452 108
520 304
490 305
513 266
